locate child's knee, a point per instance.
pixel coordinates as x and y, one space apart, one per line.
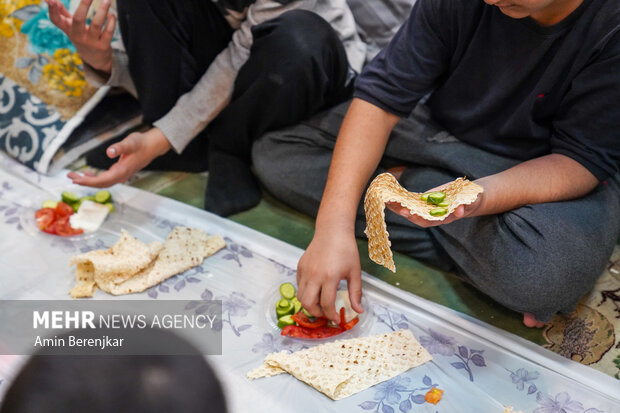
264 158
544 281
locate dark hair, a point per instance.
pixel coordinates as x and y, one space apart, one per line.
107 384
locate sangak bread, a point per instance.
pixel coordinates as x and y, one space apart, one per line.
342 368
131 266
385 188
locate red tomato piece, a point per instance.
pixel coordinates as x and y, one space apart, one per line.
343 320
295 331
51 229
63 227
45 217
77 231
63 210
351 324
315 333
323 332
303 320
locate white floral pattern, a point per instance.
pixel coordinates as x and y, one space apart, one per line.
26 124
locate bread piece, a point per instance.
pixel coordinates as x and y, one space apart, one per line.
385 188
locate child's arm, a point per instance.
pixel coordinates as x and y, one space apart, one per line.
550 178
332 255
195 109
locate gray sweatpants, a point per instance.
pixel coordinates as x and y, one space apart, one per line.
539 258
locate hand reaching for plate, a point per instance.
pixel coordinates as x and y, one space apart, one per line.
135 152
92 42
332 256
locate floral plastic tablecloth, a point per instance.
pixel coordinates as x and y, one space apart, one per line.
480 368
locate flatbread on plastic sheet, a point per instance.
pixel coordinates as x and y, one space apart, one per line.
131 266
125 258
265 370
344 367
185 248
385 188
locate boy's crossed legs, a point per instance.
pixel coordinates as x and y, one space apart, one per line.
537 259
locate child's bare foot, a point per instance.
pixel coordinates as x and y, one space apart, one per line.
397 171
530 321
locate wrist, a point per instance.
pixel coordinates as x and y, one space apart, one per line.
338 210
334 223
160 144
106 68
496 198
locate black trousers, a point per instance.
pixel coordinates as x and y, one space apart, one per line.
297 66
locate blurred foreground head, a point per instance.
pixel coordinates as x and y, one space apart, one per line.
107 384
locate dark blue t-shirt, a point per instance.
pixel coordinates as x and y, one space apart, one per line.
509 86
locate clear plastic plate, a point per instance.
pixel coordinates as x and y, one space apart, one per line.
30 207
362 327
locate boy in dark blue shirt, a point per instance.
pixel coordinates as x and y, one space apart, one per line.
524 97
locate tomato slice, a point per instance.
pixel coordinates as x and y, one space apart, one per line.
343 324
351 324
303 332
45 217
295 331
343 320
323 332
51 229
63 210
303 320
77 231
64 229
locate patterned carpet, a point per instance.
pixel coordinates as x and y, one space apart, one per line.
36 55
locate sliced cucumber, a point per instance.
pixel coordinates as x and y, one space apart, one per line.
76 206
69 197
286 320
296 304
444 204
436 197
287 290
306 312
49 204
102 197
110 206
437 212
286 309
87 198
424 197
